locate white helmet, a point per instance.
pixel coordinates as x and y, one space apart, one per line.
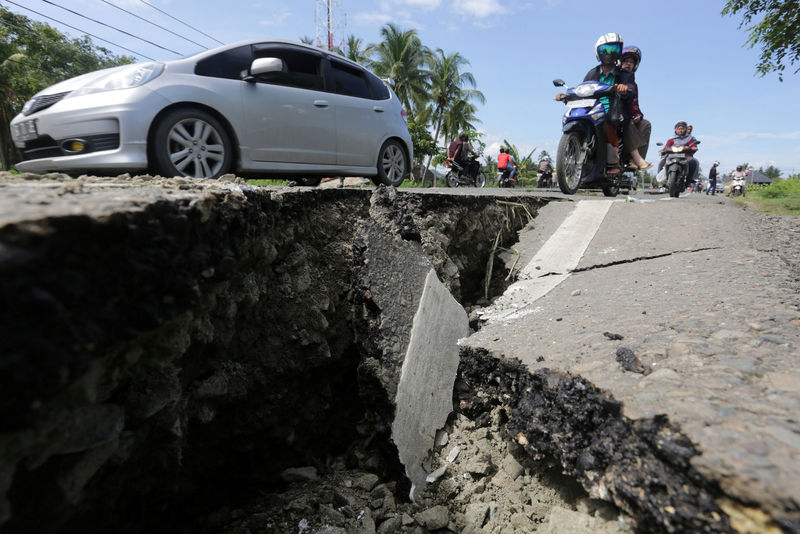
716 163
609 46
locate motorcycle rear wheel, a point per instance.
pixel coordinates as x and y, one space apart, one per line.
569 169
480 179
451 179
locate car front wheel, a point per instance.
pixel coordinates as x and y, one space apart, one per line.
392 165
191 143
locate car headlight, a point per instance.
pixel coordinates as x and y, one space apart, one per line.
125 78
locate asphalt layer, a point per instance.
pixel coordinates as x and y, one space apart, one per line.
705 295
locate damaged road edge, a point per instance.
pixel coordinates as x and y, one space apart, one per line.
643 466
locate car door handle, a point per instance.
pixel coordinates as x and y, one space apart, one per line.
377 109
321 103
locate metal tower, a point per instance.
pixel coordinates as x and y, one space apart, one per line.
330 28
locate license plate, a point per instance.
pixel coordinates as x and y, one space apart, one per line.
585 103
25 130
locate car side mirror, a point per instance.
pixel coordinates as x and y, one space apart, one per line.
264 65
558 82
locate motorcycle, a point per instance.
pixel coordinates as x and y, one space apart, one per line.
676 165
737 187
504 178
545 179
454 177
581 157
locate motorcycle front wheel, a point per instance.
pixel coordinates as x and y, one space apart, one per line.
672 184
610 190
451 179
569 169
480 179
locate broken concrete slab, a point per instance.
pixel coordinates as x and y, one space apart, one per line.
410 326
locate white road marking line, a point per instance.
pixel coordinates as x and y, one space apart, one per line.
552 263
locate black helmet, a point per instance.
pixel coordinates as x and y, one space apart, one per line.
738 167
635 53
680 123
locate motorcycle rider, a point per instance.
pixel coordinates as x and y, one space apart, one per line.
637 133
459 152
682 139
712 179
608 49
545 173
738 177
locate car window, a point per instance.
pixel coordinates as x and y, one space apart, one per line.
231 64
302 69
378 88
348 80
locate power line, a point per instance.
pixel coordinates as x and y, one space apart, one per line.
154 24
112 27
80 30
178 20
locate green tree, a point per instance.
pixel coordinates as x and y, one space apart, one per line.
33 56
450 93
778 32
356 51
424 145
402 57
771 171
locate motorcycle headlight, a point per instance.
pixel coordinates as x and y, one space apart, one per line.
586 89
126 78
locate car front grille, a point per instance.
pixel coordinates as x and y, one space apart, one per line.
47 147
45 101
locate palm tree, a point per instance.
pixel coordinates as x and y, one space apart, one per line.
401 56
452 110
355 51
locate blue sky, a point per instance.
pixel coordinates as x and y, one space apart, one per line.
696 66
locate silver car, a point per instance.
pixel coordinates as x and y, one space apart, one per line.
271 108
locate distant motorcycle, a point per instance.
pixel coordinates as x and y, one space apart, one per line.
504 178
453 177
676 165
737 187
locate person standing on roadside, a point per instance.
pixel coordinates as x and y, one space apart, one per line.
712 179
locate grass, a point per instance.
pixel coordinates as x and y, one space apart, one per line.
782 197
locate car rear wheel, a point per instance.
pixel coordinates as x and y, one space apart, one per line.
191 143
392 165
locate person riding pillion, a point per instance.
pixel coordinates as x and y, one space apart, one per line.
637 132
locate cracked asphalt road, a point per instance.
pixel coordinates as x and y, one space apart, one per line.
704 293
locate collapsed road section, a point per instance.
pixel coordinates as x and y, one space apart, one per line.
182 355
174 344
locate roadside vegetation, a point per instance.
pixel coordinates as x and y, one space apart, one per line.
782 196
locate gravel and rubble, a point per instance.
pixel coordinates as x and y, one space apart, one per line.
481 483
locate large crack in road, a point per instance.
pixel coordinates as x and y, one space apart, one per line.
230 359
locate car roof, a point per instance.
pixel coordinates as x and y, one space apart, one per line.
245 42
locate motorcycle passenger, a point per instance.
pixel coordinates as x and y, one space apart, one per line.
682 139
504 163
545 173
712 179
459 152
637 133
608 50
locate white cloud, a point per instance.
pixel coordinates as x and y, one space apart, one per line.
478 8
278 18
426 5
